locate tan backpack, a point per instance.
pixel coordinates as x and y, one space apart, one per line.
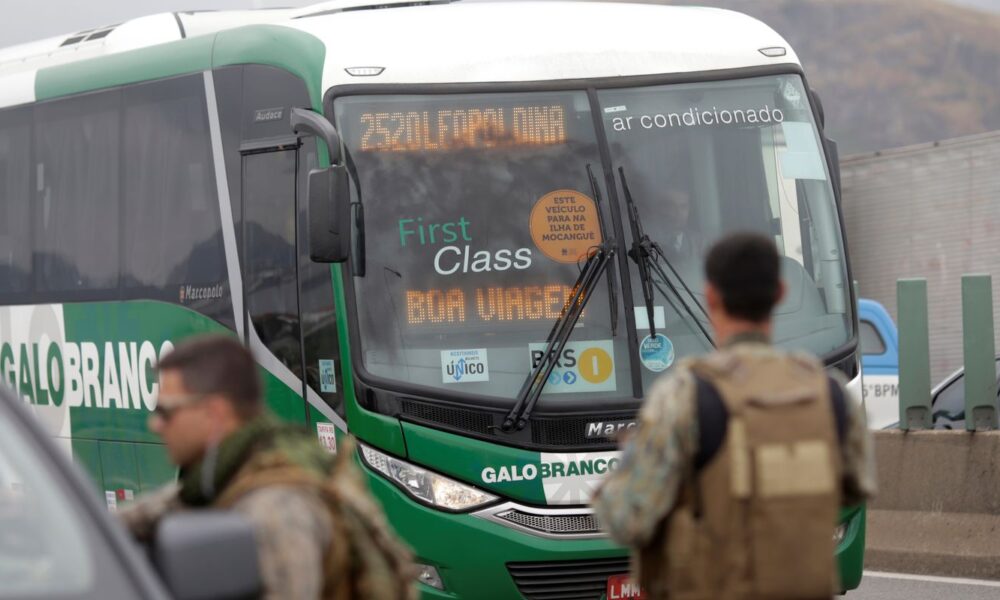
377 564
757 522
365 559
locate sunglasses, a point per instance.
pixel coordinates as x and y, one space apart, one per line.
166 411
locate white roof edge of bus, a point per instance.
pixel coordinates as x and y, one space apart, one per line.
18 88
436 44
130 35
154 29
203 23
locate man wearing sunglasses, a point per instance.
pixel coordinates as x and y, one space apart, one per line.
232 454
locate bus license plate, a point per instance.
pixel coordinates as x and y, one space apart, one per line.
621 587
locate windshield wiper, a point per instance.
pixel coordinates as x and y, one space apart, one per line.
527 397
640 252
358 216
597 263
647 254
612 277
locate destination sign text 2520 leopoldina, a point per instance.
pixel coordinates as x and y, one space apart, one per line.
454 128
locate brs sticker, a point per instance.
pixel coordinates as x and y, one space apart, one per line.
461 366
583 367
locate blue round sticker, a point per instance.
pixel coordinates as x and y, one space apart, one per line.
656 352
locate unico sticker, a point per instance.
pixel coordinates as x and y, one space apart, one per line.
565 225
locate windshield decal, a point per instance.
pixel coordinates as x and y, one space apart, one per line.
642 317
583 367
801 159
327 376
698 116
656 352
414 233
565 226
464 366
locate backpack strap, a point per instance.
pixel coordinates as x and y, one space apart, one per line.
713 421
713 418
360 532
839 403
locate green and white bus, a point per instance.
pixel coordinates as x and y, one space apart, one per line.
500 260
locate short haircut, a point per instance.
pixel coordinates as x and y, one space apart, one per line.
745 268
217 364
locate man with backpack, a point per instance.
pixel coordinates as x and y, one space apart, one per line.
319 532
730 487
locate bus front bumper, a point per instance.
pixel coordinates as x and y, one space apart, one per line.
479 558
475 557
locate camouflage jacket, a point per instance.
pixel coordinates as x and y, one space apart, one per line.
292 525
633 501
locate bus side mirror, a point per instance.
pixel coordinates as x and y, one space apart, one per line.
207 554
329 192
833 155
329 214
818 104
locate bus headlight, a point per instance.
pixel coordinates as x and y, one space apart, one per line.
423 484
839 533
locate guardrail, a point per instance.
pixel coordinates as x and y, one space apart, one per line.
938 506
978 353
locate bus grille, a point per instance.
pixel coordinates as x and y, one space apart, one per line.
466 420
568 431
566 580
545 430
554 524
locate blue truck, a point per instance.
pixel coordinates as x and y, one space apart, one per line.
879 364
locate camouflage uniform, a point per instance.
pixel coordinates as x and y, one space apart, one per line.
293 529
634 500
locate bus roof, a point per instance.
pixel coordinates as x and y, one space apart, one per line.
428 42
540 41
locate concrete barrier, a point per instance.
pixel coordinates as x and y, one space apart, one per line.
938 507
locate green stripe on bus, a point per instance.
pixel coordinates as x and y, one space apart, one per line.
116 323
295 51
376 429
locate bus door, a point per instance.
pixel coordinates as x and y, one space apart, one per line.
267 233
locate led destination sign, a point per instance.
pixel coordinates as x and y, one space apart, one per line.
486 304
455 128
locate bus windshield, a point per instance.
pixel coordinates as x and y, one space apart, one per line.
479 213
705 159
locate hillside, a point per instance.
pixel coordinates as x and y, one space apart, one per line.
891 72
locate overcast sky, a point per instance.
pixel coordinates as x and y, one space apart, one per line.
26 20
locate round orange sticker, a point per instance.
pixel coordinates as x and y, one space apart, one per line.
565 226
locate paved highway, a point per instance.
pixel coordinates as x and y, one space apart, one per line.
897 586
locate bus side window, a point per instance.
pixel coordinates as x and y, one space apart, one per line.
871 341
270 254
77 144
172 236
15 183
